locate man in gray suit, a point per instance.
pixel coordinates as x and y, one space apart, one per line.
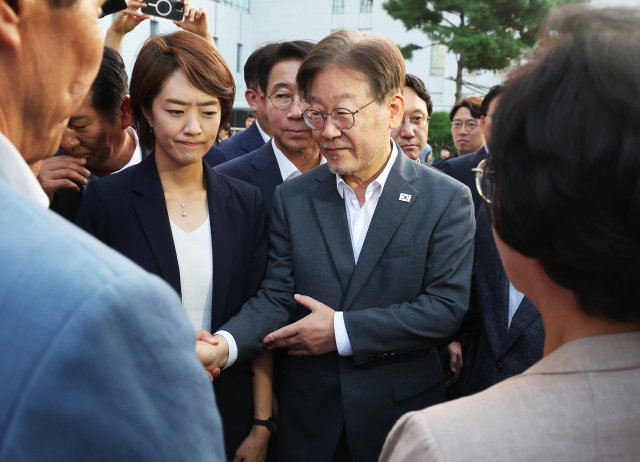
370 259
97 357
564 208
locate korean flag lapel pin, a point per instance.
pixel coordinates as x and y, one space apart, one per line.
405 197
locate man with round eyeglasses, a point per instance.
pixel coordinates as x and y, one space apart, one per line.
465 126
292 151
412 134
369 266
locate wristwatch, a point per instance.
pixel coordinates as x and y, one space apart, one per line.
269 423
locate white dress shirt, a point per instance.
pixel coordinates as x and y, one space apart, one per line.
359 219
15 172
515 298
288 171
265 137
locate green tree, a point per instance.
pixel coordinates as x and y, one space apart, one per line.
440 132
484 34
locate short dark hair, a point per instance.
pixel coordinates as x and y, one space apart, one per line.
252 66
417 85
470 102
374 56
495 91
110 88
446 147
566 164
160 57
282 51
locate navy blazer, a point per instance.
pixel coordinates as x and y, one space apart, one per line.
259 168
460 169
503 352
128 212
216 156
243 142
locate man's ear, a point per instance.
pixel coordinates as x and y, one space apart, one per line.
396 107
252 99
10 18
126 113
483 120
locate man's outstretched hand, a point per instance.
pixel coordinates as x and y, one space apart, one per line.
312 335
212 351
124 22
195 20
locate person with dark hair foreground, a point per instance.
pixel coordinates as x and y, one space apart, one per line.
97 356
370 255
172 214
98 140
564 206
412 134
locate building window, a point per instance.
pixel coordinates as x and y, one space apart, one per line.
239 58
436 98
338 6
241 5
438 56
366 6
153 27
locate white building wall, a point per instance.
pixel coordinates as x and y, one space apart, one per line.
273 20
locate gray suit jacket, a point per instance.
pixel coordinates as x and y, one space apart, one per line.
408 292
503 352
97 356
579 404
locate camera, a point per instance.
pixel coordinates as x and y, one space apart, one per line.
169 9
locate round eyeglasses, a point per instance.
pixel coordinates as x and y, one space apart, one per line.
341 117
470 125
282 99
417 121
484 180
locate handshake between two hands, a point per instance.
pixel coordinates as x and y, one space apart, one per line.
311 335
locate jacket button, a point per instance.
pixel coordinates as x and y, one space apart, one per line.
499 368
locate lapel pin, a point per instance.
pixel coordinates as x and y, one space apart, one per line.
405 197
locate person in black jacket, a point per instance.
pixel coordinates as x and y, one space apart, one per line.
172 214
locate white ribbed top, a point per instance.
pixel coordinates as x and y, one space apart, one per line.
195 261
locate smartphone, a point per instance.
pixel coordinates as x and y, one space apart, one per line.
113 6
168 9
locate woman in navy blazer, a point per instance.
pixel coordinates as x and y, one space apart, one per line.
181 93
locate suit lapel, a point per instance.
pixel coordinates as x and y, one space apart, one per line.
524 315
331 214
389 213
151 210
222 219
253 139
267 175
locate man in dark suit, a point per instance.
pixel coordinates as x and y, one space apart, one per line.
460 168
384 241
259 132
292 151
98 141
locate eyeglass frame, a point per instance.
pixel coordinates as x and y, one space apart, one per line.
465 125
325 116
480 172
415 128
292 99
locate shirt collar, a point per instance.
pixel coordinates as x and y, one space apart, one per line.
287 169
378 182
15 172
265 137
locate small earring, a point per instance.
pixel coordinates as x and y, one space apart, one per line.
151 130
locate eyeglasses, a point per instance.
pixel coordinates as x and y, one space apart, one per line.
470 125
283 100
418 122
484 180
341 117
